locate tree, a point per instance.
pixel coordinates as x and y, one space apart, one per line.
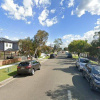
78 46
65 49
57 44
96 44
39 40
26 47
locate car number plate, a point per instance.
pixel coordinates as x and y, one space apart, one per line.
22 68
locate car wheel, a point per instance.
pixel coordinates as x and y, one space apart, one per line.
83 74
91 85
32 72
39 67
79 68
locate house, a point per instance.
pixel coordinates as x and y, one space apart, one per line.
8 45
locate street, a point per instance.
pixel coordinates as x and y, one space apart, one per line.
58 79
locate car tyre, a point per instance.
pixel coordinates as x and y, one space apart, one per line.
79 68
39 67
91 85
32 72
83 74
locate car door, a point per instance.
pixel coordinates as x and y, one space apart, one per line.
37 65
87 72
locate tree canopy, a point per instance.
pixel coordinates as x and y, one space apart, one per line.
78 46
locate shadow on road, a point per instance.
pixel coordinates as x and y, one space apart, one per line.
62 93
80 91
71 69
83 88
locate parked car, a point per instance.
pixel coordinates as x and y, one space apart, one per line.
69 55
52 55
11 57
28 67
81 62
92 74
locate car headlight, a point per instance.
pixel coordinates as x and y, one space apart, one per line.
96 81
96 76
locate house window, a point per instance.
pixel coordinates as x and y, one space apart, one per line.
6 44
9 45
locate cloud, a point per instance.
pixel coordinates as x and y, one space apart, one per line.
97 28
42 3
28 22
61 3
53 11
91 6
17 12
7 37
87 36
44 21
63 17
71 3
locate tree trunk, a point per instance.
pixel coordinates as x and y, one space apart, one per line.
78 54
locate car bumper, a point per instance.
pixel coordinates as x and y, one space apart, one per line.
96 86
24 71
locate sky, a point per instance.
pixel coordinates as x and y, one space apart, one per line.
66 19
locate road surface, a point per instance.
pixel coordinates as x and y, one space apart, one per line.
58 79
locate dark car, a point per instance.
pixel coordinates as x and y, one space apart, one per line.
28 67
52 55
92 74
69 55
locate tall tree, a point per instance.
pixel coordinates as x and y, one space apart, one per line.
78 46
39 40
26 47
96 43
57 44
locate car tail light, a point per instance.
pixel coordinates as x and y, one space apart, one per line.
18 67
28 67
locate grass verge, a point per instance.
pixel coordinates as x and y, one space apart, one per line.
8 72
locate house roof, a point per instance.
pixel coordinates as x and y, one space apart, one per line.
6 40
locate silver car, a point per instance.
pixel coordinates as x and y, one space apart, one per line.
81 62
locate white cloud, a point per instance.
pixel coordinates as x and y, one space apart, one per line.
50 22
43 18
28 22
18 12
53 11
1 29
71 3
87 36
7 37
63 17
61 3
97 28
91 6
42 3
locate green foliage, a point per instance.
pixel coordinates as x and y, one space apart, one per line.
26 46
57 44
78 46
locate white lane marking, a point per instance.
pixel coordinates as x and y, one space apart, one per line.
69 95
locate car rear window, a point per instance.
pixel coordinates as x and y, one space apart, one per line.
24 64
84 60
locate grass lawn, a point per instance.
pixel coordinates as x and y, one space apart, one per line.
8 72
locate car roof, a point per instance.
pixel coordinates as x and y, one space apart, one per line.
28 61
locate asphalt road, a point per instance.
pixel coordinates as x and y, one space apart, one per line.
58 79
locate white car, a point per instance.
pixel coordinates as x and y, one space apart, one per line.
81 62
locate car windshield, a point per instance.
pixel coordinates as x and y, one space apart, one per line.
96 70
84 60
24 64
